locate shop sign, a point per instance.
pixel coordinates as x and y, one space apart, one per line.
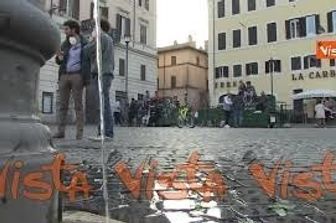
314 75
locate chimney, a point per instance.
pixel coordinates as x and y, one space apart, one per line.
206 45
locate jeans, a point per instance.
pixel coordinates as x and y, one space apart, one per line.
227 117
108 118
238 117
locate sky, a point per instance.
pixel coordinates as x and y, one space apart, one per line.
177 19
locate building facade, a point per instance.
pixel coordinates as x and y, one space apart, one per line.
136 18
270 43
183 72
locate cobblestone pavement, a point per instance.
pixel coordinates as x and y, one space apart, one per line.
232 151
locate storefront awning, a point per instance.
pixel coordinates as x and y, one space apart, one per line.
318 93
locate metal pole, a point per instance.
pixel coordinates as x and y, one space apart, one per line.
272 71
126 76
214 47
51 8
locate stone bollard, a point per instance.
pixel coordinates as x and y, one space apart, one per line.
27 39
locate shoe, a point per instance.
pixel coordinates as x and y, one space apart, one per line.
227 126
79 135
59 135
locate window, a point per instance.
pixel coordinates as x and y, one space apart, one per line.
73 11
123 26
296 63
120 95
222 72
272 66
143 72
293 28
222 84
271 32
251 69
173 60
331 21
311 25
305 26
143 34
237 70
270 3
173 82
47 102
236 38
311 61
104 12
221 9
197 60
62 7
140 3
147 5
332 62
216 85
251 5
221 41
121 67
253 36
228 84
140 97
235 7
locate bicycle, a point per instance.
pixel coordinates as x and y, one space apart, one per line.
185 117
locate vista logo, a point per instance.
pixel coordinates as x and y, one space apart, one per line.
326 49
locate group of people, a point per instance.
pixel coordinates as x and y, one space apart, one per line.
235 105
149 110
325 109
78 68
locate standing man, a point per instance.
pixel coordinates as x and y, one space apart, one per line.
227 106
238 110
117 113
107 71
72 77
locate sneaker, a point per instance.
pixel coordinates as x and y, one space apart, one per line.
59 135
227 126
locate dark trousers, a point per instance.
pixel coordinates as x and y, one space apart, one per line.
227 117
107 112
71 84
117 118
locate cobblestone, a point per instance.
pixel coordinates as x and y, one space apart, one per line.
229 149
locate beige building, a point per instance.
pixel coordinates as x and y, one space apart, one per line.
246 34
183 71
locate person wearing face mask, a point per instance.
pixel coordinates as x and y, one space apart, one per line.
72 77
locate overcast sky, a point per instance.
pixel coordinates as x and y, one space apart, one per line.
178 18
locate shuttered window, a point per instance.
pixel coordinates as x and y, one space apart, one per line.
235 7
236 38
253 36
221 9
331 21
271 32
237 70
251 69
221 41
251 5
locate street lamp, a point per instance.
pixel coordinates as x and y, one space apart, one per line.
127 39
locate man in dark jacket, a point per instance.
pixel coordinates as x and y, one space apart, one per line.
71 77
107 69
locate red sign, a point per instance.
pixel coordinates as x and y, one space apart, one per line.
326 49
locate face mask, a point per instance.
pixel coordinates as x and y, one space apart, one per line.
73 40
